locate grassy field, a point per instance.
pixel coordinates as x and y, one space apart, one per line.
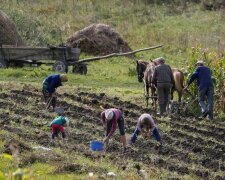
193 150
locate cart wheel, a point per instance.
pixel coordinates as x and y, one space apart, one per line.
60 66
80 68
3 63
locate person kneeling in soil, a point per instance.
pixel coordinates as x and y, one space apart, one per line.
58 125
49 86
110 118
146 126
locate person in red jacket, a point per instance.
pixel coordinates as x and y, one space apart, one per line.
110 119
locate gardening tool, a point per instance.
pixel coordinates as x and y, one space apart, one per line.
192 96
49 102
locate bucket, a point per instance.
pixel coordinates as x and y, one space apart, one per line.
96 146
59 110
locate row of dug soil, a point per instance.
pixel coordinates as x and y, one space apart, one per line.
192 147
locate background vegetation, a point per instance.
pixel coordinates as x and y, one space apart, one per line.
187 30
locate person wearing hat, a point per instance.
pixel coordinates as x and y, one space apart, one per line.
49 86
146 126
110 119
163 80
205 88
58 124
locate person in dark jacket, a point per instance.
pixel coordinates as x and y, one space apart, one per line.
110 119
49 86
205 88
164 81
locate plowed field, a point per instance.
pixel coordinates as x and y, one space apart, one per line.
194 148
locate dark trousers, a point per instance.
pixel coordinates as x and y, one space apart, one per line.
206 95
48 97
120 123
164 95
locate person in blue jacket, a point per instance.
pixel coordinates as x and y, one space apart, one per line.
205 88
49 86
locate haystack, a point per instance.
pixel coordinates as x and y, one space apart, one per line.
8 32
98 39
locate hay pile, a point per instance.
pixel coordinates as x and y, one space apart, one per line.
8 32
98 39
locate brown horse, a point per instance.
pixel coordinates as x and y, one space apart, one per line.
179 83
147 79
177 74
141 66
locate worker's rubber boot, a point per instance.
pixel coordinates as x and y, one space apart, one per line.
166 108
161 110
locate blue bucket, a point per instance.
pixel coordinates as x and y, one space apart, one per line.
96 146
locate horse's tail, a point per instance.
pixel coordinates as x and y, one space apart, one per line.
179 80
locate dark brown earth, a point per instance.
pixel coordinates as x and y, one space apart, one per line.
192 146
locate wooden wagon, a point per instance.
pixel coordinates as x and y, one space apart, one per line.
60 57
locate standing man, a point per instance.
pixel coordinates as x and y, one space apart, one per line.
164 81
49 86
205 88
110 118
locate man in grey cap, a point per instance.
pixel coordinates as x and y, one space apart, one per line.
205 88
164 81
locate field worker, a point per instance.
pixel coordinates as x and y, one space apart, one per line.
49 88
58 124
146 126
164 81
205 88
110 118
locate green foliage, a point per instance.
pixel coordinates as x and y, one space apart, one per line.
25 72
215 62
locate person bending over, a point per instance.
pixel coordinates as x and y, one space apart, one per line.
110 119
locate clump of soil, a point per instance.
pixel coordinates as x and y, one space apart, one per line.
98 39
8 31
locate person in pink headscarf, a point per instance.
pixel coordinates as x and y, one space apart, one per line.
110 119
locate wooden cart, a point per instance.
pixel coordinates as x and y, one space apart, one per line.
59 57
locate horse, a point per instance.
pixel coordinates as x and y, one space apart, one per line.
179 83
140 68
177 74
147 79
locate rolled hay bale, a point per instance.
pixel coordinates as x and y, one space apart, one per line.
98 39
8 32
